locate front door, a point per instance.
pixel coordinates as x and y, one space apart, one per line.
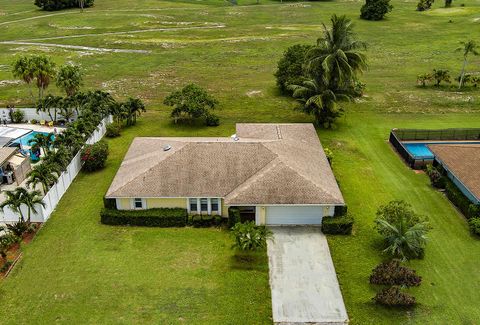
247 214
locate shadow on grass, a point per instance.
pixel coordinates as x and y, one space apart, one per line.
249 261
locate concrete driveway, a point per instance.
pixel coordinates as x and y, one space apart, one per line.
302 278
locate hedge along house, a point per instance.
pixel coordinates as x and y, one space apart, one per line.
274 173
461 164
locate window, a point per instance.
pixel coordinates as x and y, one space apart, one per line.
193 205
214 203
138 203
203 204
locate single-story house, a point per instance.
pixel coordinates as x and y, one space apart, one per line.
462 165
13 165
274 173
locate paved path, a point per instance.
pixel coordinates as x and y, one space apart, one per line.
302 278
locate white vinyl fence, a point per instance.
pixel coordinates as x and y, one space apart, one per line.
30 114
55 193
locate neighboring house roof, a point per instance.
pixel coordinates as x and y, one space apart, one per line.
463 160
6 153
269 164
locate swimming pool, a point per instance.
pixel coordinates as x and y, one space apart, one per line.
24 140
421 150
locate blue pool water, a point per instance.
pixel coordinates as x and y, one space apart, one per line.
27 137
419 150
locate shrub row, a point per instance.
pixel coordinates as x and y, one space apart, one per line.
338 225
469 209
51 5
203 221
158 217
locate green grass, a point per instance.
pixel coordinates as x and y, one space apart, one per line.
78 271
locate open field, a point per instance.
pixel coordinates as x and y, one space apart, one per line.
77 270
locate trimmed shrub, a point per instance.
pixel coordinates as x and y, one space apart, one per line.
340 210
436 177
233 217
204 221
392 273
290 67
250 237
52 5
109 203
17 116
337 225
94 156
158 217
375 9
474 225
113 130
466 206
393 296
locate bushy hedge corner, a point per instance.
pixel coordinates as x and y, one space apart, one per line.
338 225
159 217
233 216
340 210
474 225
204 221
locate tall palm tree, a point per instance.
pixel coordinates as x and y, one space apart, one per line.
318 100
469 47
23 69
336 58
43 174
69 78
404 241
44 141
58 159
30 199
133 107
48 103
44 71
71 139
13 201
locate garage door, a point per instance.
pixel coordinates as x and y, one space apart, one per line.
289 215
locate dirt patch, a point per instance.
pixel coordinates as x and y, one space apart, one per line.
4 83
254 93
70 27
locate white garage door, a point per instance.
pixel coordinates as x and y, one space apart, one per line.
291 215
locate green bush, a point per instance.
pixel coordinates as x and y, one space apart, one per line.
33 121
113 130
375 9
393 296
436 177
109 203
337 225
52 5
95 156
233 217
5 266
159 217
204 221
212 120
17 116
340 210
466 206
423 5
474 225
392 273
290 67
250 237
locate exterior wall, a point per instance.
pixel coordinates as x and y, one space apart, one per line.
166 203
261 211
462 188
224 209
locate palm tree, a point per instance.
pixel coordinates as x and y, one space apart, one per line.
469 47
59 159
48 103
69 78
13 201
44 71
44 174
44 141
67 108
30 199
23 69
320 101
70 139
404 241
133 107
336 58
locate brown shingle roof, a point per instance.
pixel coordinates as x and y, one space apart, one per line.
463 160
6 153
269 164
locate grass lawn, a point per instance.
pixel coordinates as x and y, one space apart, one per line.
78 271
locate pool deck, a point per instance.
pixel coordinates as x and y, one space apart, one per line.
36 127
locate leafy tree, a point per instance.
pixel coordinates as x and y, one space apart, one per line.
44 141
375 9
320 101
42 174
250 237
440 75
467 48
69 79
44 71
23 69
336 59
49 103
290 68
191 101
403 230
52 5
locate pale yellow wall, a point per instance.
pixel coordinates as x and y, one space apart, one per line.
261 215
224 209
166 203
124 204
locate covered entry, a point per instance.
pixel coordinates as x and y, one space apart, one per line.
294 215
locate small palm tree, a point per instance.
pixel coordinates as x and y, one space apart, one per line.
13 201
336 58
319 101
70 139
404 241
44 141
58 159
43 174
250 237
469 47
132 108
31 200
48 103
23 69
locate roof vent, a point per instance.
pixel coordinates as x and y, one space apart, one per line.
167 147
